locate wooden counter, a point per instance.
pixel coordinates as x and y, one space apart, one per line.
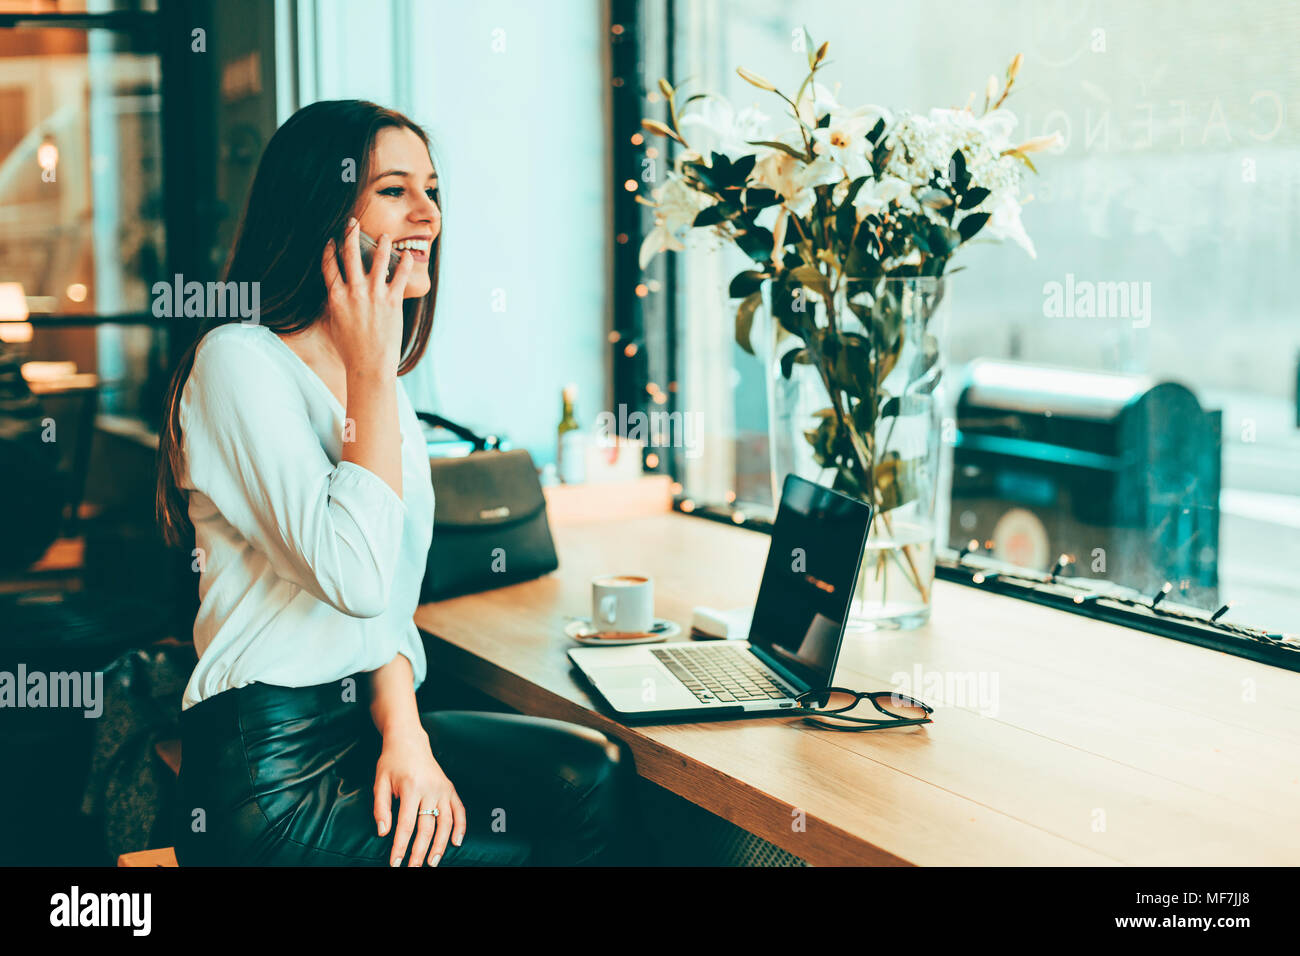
1057 739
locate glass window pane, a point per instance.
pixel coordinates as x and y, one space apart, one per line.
80 178
1165 222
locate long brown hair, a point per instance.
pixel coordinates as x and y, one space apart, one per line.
300 198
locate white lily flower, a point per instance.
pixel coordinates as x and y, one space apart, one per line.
656 241
876 195
793 179
727 131
677 205
844 138
1004 223
816 101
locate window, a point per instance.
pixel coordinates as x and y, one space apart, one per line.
1176 188
509 93
81 211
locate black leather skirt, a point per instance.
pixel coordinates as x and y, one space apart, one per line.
285 776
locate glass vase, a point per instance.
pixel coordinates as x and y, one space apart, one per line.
852 405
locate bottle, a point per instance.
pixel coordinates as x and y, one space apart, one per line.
571 451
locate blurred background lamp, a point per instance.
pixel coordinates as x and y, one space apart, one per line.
47 154
14 326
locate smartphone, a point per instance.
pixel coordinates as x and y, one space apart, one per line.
368 246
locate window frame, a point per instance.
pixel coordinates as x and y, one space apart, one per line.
641 34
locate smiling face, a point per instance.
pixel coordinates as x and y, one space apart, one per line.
398 201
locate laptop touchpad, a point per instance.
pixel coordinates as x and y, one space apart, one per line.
641 684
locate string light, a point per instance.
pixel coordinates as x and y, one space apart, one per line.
47 154
1220 612
687 505
1161 594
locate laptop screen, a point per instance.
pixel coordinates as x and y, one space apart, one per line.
812 567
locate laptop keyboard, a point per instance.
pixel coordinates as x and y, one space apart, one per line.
720 673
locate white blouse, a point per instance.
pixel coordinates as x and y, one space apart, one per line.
310 567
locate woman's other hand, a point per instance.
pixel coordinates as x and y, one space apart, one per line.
365 309
407 770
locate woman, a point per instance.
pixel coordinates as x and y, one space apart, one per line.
293 452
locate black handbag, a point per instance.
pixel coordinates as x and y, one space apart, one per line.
489 519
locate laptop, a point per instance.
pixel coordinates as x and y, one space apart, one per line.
794 640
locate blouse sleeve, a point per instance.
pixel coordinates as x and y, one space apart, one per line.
333 530
412 647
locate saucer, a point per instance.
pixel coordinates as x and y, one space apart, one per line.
580 629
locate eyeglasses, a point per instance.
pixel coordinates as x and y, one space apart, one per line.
829 708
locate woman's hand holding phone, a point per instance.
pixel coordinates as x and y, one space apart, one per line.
365 309
365 324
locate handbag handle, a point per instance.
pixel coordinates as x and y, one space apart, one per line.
490 443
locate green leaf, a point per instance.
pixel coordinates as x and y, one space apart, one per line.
876 131
745 320
756 197
704 174
862 263
971 225
897 481
934 198
783 306
746 283
788 150
974 197
811 277
957 173
756 242
741 168
709 216
851 368
799 355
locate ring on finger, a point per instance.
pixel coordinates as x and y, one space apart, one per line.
428 813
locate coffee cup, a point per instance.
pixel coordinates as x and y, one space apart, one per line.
622 604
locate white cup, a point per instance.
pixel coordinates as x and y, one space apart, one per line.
622 604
